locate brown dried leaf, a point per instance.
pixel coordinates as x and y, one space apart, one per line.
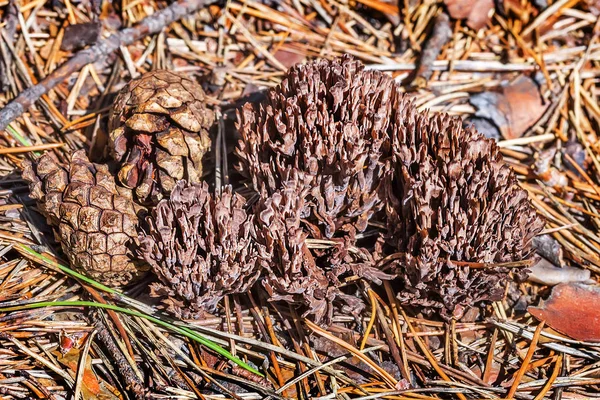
92 388
572 309
289 57
476 12
513 109
80 35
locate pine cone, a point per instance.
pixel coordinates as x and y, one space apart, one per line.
201 247
453 200
159 133
327 120
295 275
95 224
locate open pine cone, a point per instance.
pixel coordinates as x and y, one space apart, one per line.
327 120
201 248
95 223
159 133
453 203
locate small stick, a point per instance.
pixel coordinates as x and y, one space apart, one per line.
148 26
546 137
440 35
10 24
548 385
82 365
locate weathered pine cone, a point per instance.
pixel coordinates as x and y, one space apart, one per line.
453 203
294 275
95 224
327 120
201 248
159 133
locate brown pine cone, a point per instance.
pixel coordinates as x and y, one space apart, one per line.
201 246
94 223
159 133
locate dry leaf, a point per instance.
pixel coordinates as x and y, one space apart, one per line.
513 109
544 169
91 388
476 12
80 35
549 248
289 57
572 309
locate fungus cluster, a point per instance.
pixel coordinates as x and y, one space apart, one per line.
326 123
358 145
330 150
451 205
201 247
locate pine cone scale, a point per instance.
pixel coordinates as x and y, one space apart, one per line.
146 122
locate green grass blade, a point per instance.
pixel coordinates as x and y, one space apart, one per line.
23 140
182 331
53 264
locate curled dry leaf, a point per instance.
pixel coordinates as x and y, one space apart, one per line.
545 170
158 133
513 109
549 248
91 387
94 220
201 248
453 203
327 120
567 300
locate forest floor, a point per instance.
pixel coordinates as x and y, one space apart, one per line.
524 73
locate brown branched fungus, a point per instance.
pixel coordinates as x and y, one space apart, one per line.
201 248
159 133
327 120
301 275
94 220
454 210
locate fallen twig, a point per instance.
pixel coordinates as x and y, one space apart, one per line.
440 35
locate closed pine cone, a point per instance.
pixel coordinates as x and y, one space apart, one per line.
95 224
159 133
